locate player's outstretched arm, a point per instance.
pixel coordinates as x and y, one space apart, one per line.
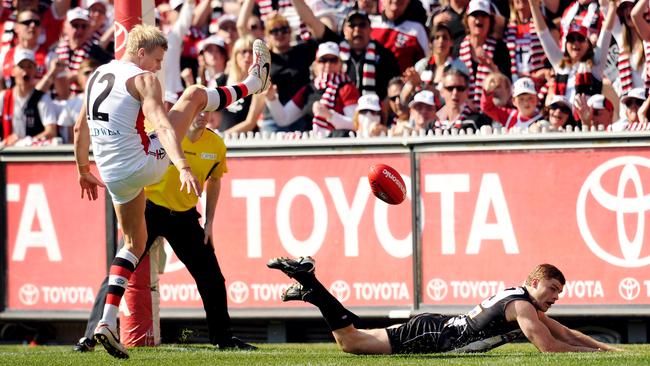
538 333
148 87
87 181
572 336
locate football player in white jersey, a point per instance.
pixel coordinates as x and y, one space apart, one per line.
119 96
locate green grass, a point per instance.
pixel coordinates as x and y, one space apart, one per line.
311 354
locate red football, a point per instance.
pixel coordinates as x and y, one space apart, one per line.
387 184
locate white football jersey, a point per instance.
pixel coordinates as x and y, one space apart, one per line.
116 122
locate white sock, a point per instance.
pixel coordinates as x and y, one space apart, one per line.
110 315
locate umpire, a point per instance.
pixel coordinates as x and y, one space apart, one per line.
171 213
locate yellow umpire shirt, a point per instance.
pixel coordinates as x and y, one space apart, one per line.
206 157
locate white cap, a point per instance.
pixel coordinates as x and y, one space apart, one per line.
479 5
213 39
425 96
561 99
636 93
23 54
77 13
598 101
524 86
175 3
225 19
369 102
90 3
327 48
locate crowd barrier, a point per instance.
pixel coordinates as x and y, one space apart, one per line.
481 211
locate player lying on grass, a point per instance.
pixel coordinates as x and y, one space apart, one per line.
496 321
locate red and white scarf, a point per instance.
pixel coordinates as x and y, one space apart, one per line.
330 83
521 37
73 58
646 72
476 80
367 83
624 65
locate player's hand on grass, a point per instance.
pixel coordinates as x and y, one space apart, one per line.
189 182
89 184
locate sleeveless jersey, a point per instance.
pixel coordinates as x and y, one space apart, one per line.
116 122
484 321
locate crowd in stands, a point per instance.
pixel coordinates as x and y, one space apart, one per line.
346 67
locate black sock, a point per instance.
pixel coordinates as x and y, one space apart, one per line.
335 314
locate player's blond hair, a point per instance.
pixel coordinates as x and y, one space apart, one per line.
547 272
147 37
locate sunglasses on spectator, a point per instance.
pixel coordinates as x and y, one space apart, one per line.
360 25
324 60
633 102
79 25
394 98
458 88
562 108
254 27
28 22
280 30
575 38
369 111
87 72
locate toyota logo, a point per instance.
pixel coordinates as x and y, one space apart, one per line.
238 291
620 204
629 288
341 290
28 294
437 289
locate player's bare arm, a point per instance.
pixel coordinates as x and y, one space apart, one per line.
87 180
148 88
212 190
537 332
572 336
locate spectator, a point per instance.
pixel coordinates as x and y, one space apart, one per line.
642 26
28 31
212 52
271 9
579 68
431 68
600 112
72 106
51 13
524 47
241 115
250 23
632 101
370 7
25 110
455 90
77 45
367 118
481 53
407 39
558 113
398 112
227 30
453 14
368 64
336 10
525 100
100 25
289 66
327 104
422 114
631 58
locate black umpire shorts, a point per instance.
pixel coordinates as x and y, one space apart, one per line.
421 334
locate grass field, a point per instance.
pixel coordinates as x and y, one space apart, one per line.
311 354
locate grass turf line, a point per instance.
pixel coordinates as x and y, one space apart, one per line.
311 354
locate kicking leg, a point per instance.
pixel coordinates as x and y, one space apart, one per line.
198 98
362 341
